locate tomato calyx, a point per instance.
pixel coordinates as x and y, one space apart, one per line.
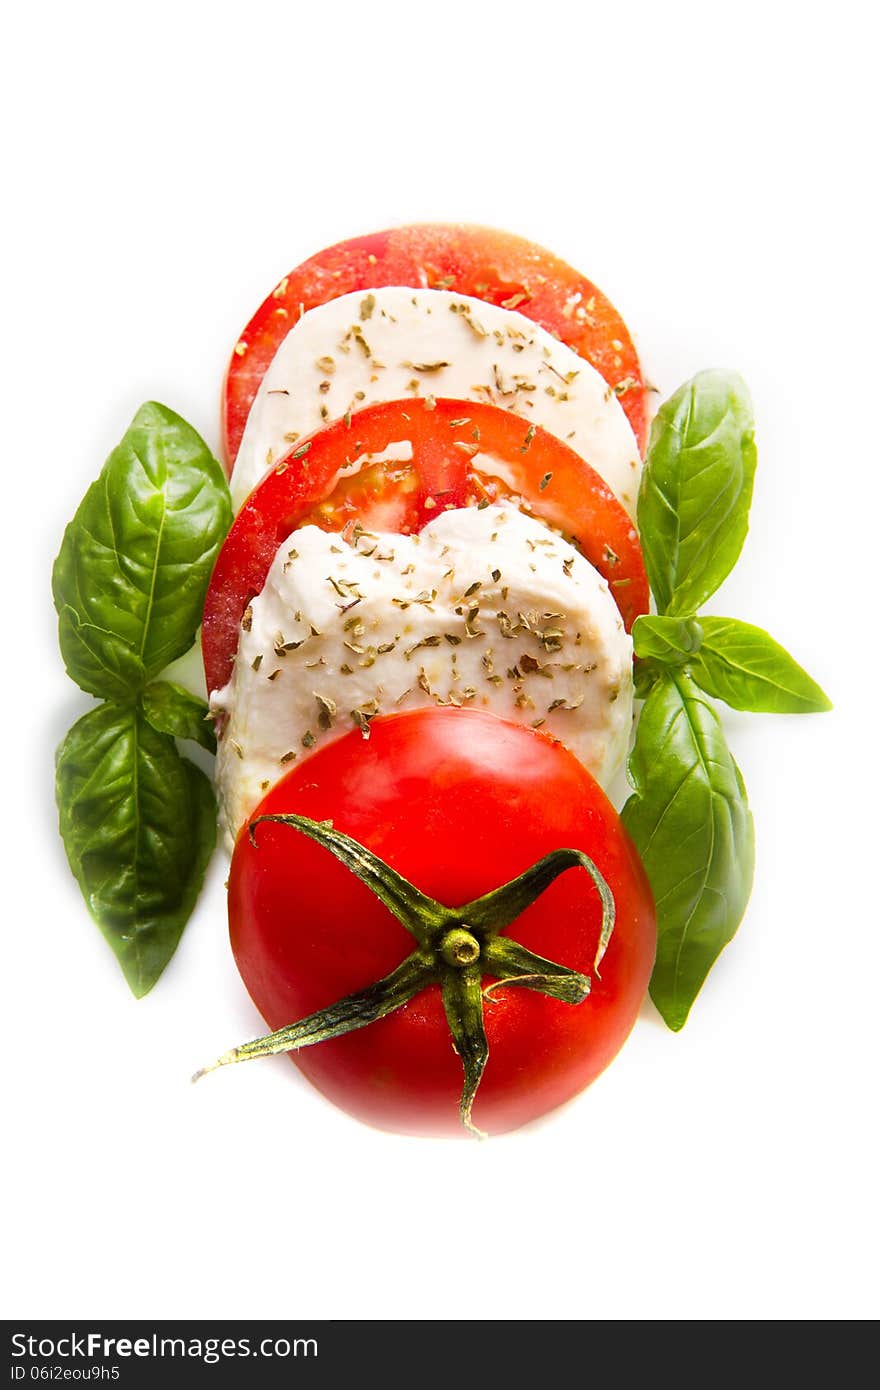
455 948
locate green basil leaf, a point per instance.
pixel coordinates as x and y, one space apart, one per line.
691 824
745 667
95 658
668 641
696 489
172 710
645 677
130 579
139 825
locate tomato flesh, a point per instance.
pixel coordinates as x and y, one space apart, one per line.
309 487
498 267
459 802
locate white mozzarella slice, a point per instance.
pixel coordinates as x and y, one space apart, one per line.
485 609
394 343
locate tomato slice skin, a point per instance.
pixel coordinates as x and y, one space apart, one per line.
498 267
533 469
305 932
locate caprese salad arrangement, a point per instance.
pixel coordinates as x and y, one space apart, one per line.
424 606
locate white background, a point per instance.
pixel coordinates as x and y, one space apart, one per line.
712 169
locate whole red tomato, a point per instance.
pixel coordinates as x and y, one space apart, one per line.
458 802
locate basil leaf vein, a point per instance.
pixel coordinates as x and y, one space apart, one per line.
138 823
690 821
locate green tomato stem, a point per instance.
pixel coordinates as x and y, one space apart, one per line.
456 947
463 1002
459 948
353 1012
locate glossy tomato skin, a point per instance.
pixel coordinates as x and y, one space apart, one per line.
494 266
459 802
542 473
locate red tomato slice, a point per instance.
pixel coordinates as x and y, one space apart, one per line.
515 462
495 266
458 802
